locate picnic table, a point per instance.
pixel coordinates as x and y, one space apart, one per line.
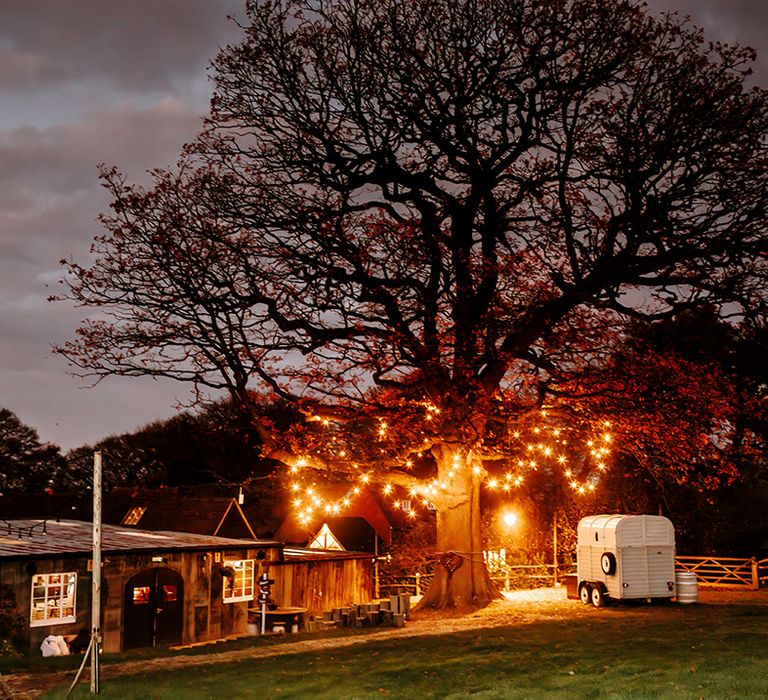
285 617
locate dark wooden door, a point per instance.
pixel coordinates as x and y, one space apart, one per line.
170 603
153 607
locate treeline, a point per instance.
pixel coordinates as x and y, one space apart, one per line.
215 445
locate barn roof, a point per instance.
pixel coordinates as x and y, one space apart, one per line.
163 509
40 539
167 510
293 554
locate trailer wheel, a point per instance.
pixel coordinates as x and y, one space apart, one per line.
608 563
585 593
598 597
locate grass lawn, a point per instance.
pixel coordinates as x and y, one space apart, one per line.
718 651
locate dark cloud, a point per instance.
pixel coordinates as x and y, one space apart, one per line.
134 45
63 158
733 21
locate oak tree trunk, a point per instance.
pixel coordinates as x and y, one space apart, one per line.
461 577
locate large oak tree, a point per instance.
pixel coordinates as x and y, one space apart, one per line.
424 215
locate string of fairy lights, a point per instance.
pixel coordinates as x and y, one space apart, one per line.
543 446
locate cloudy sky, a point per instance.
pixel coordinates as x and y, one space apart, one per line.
84 82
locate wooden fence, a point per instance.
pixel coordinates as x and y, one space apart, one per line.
714 572
519 576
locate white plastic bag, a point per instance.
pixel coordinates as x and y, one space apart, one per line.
62 644
50 648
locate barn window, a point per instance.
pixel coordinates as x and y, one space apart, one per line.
239 585
141 595
134 515
53 599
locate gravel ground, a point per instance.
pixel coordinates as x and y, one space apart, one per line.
517 607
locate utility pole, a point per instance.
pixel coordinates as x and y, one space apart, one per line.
96 581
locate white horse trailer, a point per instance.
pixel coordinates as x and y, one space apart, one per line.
619 557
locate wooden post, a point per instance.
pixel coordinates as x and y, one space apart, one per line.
755 575
554 547
96 579
418 583
376 581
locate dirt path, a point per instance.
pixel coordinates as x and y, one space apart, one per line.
520 607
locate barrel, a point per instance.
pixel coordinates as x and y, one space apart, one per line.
687 586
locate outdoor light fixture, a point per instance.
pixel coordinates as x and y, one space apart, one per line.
509 518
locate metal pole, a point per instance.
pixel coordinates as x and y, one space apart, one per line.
96 580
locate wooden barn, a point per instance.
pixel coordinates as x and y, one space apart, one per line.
319 580
159 588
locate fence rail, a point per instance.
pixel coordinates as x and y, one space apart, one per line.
518 576
714 572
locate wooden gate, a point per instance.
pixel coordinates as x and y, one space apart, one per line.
723 572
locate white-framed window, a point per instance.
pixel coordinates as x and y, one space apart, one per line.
53 599
238 586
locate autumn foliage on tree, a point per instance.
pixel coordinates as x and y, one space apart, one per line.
423 222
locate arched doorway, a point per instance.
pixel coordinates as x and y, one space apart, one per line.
152 609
